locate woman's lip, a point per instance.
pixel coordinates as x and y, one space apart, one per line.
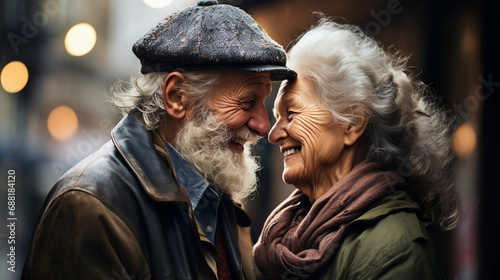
288 156
292 154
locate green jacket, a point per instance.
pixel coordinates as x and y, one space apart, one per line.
387 242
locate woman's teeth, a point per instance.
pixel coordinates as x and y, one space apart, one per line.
291 151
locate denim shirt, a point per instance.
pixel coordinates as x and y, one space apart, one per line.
204 197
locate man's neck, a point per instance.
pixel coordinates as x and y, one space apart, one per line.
168 131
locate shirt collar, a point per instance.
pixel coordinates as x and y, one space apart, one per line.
204 197
189 178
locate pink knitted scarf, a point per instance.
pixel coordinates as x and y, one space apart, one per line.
300 239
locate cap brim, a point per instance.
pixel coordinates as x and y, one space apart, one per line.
278 73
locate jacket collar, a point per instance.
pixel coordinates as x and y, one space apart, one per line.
136 145
395 202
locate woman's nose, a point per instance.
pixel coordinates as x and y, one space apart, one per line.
277 133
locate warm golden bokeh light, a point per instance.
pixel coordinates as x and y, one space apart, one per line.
464 140
62 123
80 39
14 76
157 4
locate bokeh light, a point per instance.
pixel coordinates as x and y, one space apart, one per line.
80 39
464 140
157 4
62 123
14 76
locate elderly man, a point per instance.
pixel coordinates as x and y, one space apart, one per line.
161 199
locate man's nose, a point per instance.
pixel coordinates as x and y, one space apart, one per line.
259 121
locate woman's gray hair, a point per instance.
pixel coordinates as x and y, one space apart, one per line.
406 132
144 92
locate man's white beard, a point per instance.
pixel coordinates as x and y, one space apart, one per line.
203 142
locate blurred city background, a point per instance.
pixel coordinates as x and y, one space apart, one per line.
58 58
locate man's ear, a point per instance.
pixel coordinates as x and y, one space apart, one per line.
175 104
352 132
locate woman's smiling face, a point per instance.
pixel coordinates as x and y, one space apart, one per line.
309 139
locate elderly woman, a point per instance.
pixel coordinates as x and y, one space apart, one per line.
369 154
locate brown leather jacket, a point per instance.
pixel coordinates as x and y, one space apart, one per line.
121 214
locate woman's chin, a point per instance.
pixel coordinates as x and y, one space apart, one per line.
289 177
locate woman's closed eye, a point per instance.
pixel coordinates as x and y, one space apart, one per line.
291 114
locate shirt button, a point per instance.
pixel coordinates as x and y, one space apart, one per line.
209 229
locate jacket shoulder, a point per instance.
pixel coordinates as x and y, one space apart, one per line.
107 177
105 167
395 247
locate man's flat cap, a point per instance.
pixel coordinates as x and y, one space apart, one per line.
211 36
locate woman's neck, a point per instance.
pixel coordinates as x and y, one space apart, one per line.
326 178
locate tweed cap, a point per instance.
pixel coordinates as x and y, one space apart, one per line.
211 36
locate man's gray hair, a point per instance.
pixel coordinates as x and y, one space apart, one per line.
353 76
144 92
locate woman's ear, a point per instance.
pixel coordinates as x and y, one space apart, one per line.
175 104
352 132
